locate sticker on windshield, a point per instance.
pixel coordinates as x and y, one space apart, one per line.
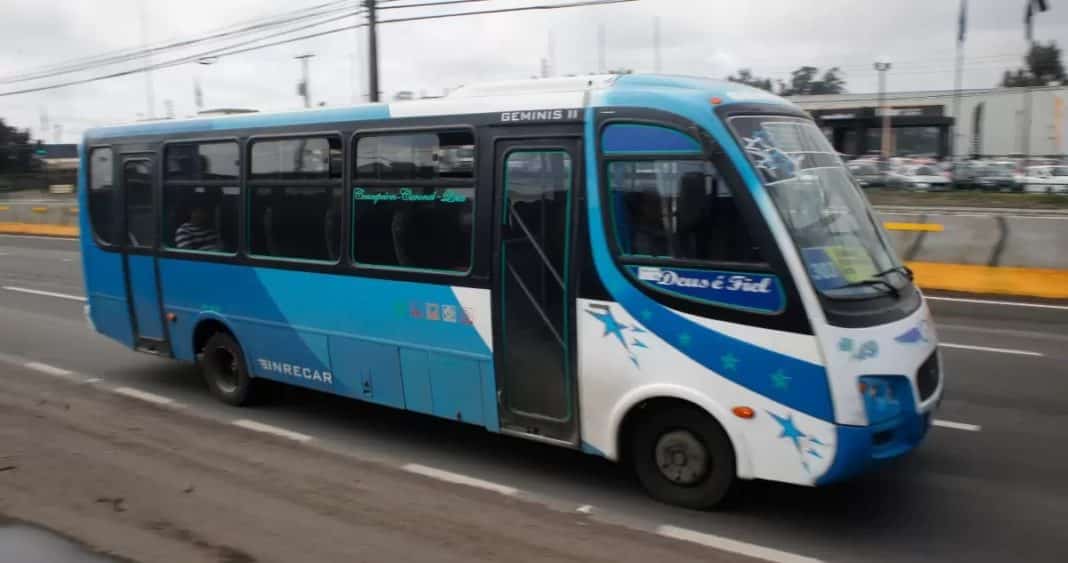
748 291
831 267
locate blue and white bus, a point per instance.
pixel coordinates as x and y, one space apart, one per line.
673 272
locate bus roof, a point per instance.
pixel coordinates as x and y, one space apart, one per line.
519 95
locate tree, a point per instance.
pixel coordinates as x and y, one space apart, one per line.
804 82
16 153
1042 65
745 76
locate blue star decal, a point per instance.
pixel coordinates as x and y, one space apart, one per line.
814 453
638 344
729 361
646 314
685 339
816 441
611 325
789 429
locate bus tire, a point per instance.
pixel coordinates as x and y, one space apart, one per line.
225 371
683 457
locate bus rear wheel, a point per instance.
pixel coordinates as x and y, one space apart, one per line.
225 371
682 456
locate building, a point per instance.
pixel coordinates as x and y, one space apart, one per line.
993 122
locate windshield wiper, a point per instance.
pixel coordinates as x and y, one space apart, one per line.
903 270
873 282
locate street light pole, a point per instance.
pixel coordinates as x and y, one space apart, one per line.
305 88
883 66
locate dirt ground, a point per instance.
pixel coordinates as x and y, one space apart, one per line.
152 484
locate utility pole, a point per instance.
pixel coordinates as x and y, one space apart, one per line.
372 47
150 95
304 88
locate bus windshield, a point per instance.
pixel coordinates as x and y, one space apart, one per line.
842 247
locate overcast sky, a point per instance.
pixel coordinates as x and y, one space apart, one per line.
699 37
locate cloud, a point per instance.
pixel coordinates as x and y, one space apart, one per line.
700 37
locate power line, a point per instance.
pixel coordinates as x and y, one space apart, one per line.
117 57
506 10
429 4
244 47
218 52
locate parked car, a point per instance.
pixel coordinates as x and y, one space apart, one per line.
997 175
1044 179
918 177
867 173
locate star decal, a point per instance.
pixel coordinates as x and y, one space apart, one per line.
780 380
685 339
789 429
611 326
638 344
646 315
814 453
729 361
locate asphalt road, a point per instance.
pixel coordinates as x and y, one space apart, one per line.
988 484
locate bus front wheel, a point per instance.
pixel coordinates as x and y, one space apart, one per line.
225 371
682 456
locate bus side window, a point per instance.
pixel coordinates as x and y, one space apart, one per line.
295 198
676 209
102 194
426 224
201 196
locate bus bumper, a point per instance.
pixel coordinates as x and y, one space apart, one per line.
861 448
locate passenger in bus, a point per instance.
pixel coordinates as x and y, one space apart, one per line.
648 235
197 233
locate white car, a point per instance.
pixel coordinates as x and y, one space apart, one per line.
1044 179
919 177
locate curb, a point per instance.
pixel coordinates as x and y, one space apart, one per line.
67 231
965 278
994 280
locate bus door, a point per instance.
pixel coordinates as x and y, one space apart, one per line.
536 189
142 282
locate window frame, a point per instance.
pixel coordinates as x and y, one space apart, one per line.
116 205
165 184
351 183
248 184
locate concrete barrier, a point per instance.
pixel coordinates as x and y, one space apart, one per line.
1003 251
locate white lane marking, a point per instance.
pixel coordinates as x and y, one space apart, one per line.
956 425
93 380
45 293
734 546
585 509
990 349
268 429
1006 303
459 479
50 370
144 395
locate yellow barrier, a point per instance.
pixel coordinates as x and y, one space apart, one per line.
39 209
928 227
999 280
967 278
40 230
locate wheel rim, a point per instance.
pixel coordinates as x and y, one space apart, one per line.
225 368
682 458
